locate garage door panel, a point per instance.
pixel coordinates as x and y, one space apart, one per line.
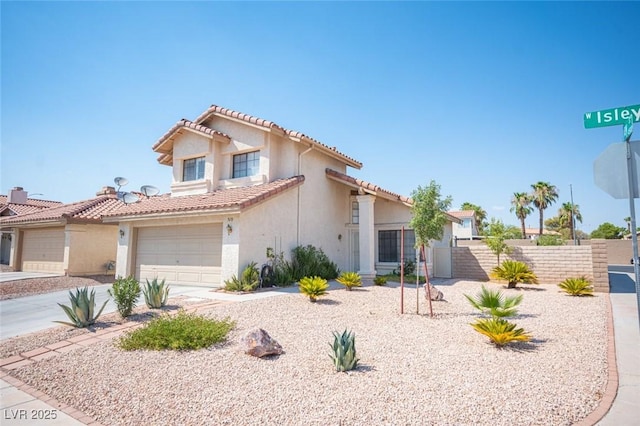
43 250
181 254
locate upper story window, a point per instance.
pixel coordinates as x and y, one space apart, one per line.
247 164
193 169
355 212
466 223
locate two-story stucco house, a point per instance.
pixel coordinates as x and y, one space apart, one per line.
240 185
467 228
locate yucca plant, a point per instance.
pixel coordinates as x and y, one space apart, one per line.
580 286
495 303
350 280
82 307
313 287
344 351
500 331
514 272
156 294
125 292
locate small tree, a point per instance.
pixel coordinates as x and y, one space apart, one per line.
497 233
429 217
608 231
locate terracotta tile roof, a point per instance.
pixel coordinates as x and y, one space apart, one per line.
162 146
234 198
82 211
460 214
536 231
375 189
294 135
366 186
32 205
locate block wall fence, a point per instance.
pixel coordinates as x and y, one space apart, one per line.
551 264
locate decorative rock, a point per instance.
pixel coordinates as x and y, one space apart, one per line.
435 293
258 343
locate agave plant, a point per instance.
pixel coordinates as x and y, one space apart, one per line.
344 351
514 272
313 287
350 280
495 303
248 281
577 286
82 307
156 294
500 331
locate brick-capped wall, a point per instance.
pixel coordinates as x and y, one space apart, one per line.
551 264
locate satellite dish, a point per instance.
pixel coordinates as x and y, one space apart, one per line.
129 198
121 181
149 190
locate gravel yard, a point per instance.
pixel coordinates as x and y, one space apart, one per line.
413 369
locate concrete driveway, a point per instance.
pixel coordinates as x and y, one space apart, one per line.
35 313
13 276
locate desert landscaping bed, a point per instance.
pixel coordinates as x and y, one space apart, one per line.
413 369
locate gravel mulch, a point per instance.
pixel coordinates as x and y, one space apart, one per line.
413 369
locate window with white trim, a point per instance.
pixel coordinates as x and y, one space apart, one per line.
247 164
389 245
355 212
193 169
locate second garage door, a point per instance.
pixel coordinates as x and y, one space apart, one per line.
43 250
189 255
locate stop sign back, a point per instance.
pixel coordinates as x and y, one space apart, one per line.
610 170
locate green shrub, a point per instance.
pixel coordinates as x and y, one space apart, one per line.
156 294
282 273
409 267
550 240
125 292
82 307
344 351
350 280
500 331
309 261
577 286
514 272
183 331
248 281
380 280
313 287
494 303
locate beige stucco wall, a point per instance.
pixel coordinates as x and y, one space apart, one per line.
89 248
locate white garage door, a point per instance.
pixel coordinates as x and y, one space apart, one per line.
43 250
189 255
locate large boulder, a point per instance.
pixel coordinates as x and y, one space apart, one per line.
435 293
258 343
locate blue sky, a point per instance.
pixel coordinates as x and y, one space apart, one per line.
484 98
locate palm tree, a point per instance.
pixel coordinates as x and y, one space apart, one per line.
521 206
567 214
628 220
544 194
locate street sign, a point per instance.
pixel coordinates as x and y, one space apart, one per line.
627 130
611 117
610 169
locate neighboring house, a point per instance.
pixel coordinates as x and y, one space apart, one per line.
241 185
466 229
534 233
15 203
65 239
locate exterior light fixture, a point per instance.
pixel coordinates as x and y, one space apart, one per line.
229 229
122 233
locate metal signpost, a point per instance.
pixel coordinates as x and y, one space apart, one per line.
625 116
